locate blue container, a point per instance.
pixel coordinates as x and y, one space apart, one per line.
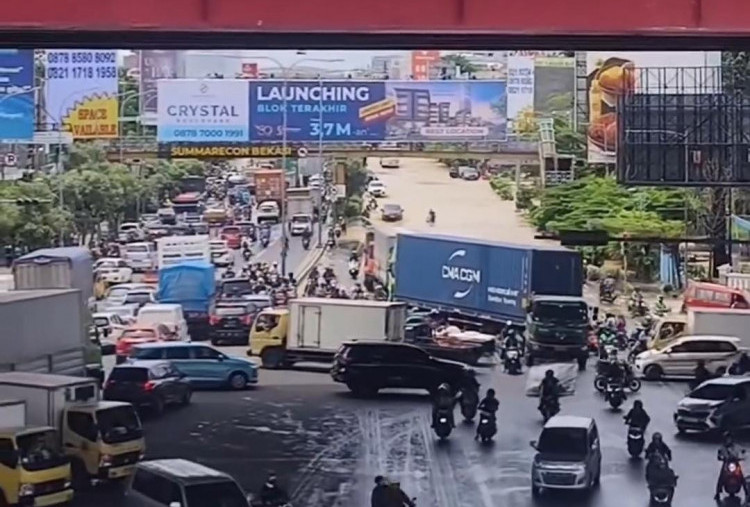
483 279
190 284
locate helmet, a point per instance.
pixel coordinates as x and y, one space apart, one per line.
444 388
549 374
657 437
728 439
491 392
638 404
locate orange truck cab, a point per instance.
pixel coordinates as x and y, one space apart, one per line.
714 295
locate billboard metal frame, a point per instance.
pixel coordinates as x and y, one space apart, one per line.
686 127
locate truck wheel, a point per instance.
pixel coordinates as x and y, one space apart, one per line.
272 358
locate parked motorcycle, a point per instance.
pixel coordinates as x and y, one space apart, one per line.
635 441
512 362
487 427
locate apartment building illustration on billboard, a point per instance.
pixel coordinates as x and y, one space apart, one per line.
447 110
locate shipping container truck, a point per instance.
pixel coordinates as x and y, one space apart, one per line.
312 329
270 185
34 469
171 250
379 254
191 285
56 268
103 439
46 331
498 282
708 321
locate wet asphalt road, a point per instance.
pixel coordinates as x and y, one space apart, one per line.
327 446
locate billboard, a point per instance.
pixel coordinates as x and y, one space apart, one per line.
613 74
447 110
422 62
81 92
16 94
331 110
228 150
554 86
155 65
199 111
520 89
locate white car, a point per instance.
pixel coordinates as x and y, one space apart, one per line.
680 357
376 188
268 211
299 223
390 163
118 293
113 270
220 255
110 323
130 231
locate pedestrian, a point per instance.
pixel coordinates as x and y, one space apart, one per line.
379 496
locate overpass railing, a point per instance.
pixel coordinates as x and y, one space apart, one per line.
514 144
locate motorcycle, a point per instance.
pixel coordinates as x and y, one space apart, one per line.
469 403
733 480
631 382
264 241
638 308
635 441
661 495
614 394
513 361
354 273
305 242
487 427
608 296
550 406
443 426
246 254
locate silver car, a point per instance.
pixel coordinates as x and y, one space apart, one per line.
568 455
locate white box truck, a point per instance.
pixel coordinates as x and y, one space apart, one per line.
103 439
172 250
706 321
313 329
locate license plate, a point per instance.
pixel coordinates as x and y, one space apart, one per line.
232 323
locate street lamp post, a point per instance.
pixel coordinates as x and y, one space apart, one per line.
284 118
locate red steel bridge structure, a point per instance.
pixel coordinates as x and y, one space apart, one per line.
506 24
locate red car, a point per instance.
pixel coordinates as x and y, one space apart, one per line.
232 235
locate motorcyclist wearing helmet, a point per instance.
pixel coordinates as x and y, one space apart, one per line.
443 402
271 494
489 405
510 337
701 374
637 416
550 388
657 445
616 370
729 450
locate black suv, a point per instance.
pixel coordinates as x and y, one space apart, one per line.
151 383
368 366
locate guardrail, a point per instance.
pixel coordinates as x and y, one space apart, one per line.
514 145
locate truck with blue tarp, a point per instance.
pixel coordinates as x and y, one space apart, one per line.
538 287
192 285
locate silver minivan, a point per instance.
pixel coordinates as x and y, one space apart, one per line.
568 455
182 483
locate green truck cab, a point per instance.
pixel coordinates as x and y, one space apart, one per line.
557 329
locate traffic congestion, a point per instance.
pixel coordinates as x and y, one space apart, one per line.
198 336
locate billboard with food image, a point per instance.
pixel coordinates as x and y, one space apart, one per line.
611 75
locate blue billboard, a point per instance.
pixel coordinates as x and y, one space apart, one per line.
16 94
333 110
447 111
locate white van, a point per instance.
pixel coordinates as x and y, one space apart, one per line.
141 256
168 314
